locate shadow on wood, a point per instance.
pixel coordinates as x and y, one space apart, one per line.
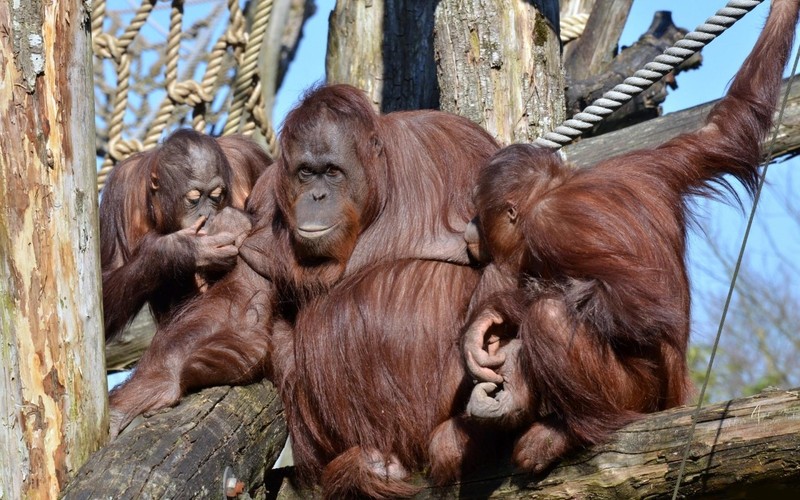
182 452
742 448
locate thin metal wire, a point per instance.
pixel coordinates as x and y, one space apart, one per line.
750 219
644 78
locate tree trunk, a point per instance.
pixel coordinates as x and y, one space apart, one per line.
500 65
385 47
743 448
52 371
280 45
183 452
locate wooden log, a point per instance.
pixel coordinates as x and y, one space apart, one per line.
743 447
125 349
52 376
183 452
659 130
593 52
281 43
385 47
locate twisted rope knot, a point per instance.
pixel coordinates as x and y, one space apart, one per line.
236 34
259 114
119 149
107 46
188 92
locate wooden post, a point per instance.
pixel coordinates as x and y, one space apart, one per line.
52 371
500 65
385 47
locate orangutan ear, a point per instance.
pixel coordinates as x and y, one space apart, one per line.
511 211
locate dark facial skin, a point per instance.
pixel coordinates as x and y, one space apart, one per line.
205 196
205 188
328 189
476 246
191 185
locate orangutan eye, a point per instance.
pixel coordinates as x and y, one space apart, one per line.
217 195
192 197
333 171
305 173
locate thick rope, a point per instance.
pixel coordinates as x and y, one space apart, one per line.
572 27
248 70
247 102
235 36
729 297
170 76
652 72
107 46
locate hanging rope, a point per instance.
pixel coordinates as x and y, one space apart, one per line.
729 297
653 71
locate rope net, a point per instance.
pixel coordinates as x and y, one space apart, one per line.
179 63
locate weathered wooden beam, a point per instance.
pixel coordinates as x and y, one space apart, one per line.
499 64
744 445
747 446
585 88
659 130
183 452
125 349
594 50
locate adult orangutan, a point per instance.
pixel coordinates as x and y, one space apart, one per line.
170 220
592 302
349 292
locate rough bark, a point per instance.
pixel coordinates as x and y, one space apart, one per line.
748 445
500 65
742 448
52 376
658 130
585 87
355 54
385 47
183 452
